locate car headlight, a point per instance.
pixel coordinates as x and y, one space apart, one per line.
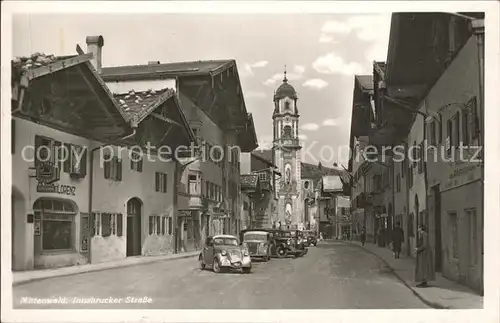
223 253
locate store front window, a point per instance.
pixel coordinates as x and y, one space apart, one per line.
54 223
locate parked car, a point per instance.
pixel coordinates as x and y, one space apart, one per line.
223 253
311 238
300 243
285 244
257 242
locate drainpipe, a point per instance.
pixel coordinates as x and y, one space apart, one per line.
478 27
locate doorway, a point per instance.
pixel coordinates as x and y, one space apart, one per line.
437 225
134 217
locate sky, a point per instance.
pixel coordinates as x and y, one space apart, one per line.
322 53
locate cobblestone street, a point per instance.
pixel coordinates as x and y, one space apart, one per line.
330 276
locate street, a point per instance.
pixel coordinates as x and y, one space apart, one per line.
331 276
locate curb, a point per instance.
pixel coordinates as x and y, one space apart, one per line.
394 272
149 261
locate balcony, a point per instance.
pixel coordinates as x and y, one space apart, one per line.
195 202
289 142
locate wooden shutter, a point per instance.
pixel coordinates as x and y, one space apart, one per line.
158 224
163 225
106 224
83 166
164 183
119 224
157 182
67 159
93 229
151 224
107 168
169 225
118 169
38 144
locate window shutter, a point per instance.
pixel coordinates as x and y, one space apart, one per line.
107 168
67 159
164 183
169 225
38 144
118 169
58 158
158 224
157 182
151 224
83 166
93 230
163 225
106 224
119 224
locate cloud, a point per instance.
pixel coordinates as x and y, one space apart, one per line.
333 64
310 127
332 122
324 38
255 94
317 84
302 136
265 142
297 74
365 27
247 69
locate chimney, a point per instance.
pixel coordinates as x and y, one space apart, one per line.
94 46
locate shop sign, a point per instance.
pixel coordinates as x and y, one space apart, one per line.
56 188
462 173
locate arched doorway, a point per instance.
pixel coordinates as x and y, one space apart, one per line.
134 218
18 212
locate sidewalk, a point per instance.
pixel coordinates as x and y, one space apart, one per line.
24 277
441 293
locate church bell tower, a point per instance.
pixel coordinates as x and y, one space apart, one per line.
287 155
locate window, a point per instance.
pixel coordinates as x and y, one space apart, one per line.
453 221
170 225
48 150
193 184
160 182
76 162
136 161
155 224
287 132
472 217
245 206
263 176
113 168
55 221
107 224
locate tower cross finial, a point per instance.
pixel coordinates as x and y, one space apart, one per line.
285 79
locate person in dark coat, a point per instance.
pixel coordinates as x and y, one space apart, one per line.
424 270
363 236
397 239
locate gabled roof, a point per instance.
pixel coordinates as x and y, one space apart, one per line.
264 155
310 171
137 105
193 68
89 110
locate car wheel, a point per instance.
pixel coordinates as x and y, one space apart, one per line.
200 261
268 258
216 266
247 270
282 252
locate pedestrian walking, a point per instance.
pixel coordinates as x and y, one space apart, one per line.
397 240
424 270
363 236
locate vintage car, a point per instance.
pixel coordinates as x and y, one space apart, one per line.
258 243
310 237
286 244
300 243
223 253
